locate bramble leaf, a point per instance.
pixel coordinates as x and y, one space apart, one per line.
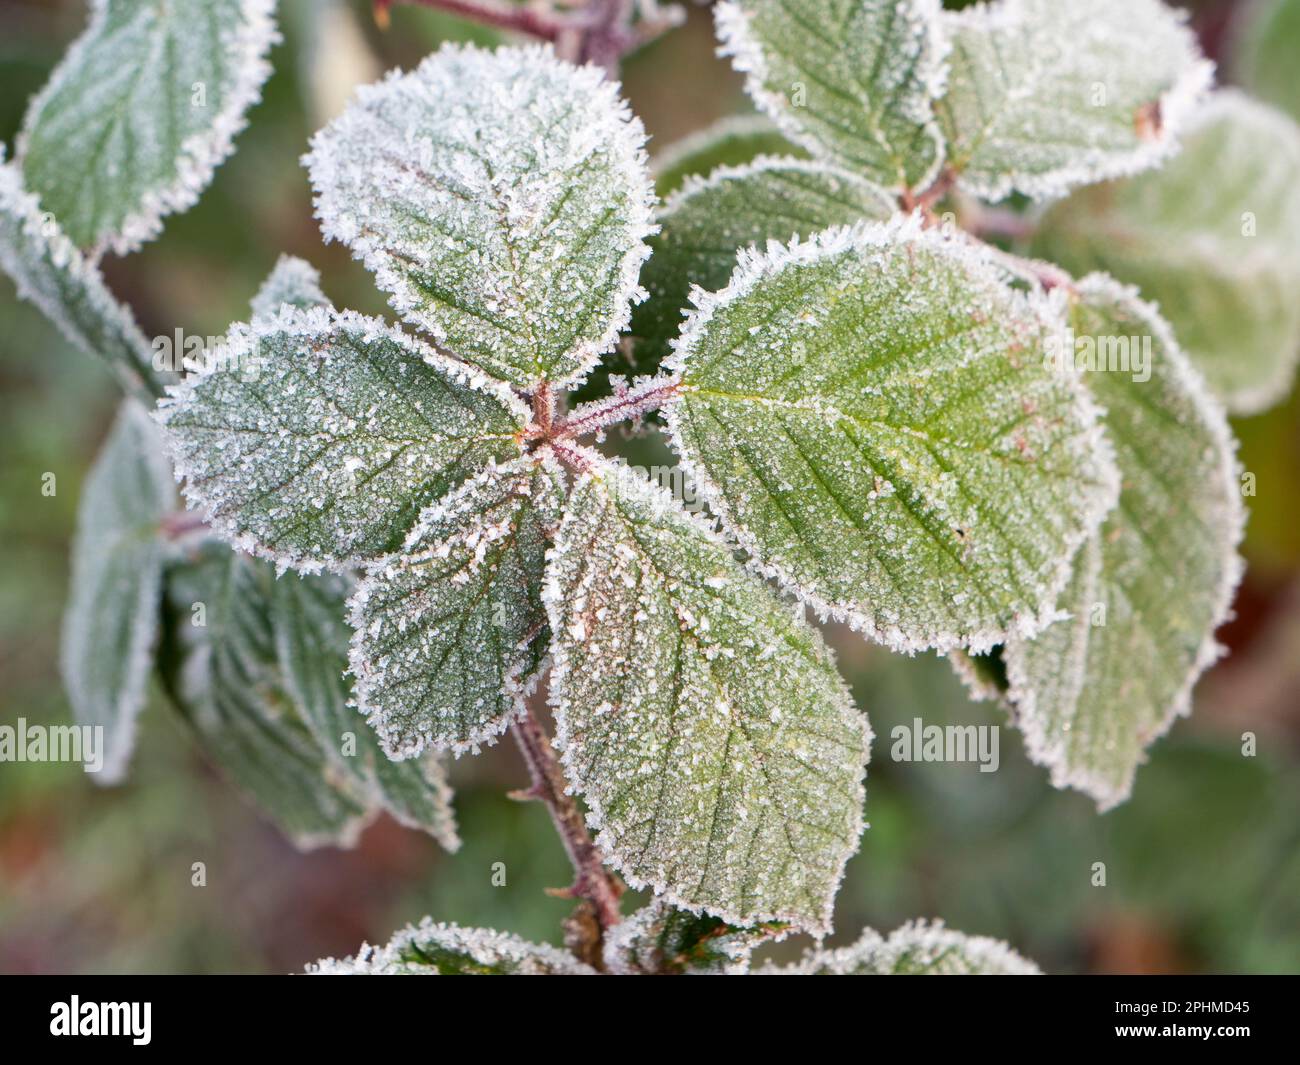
1093 690
732 141
870 415
501 198
1213 238
850 80
294 283
718 749
450 632
315 438
919 948
662 940
141 111
429 949
110 624
1266 51
1044 96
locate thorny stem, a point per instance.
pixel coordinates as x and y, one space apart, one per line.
625 404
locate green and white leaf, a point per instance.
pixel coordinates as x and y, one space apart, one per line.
317 437
1213 238
1267 41
141 111
225 678
663 940
718 750
919 948
732 141
1096 688
501 198
451 632
295 283
708 221
110 625
50 273
871 416
850 80
311 642
429 949
1044 96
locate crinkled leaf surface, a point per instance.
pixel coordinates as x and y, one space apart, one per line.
663 940
111 621
1213 238
50 273
704 225
716 746
141 111
449 632
1149 589
850 79
731 141
293 282
315 438
870 414
1044 96
501 198
430 949
919 948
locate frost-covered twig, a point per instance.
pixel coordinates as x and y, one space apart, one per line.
624 405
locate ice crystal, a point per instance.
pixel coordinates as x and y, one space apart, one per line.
294 283
663 940
919 948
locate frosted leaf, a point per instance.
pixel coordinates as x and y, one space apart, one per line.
717 747
1044 96
919 948
501 198
871 415
293 282
704 224
662 940
731 141
311 643
1094 689
315 438
141 111
429 949
225 679
449 632
1214 239
853 80
111 621
50 273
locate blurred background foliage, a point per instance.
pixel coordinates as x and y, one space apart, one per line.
1202 864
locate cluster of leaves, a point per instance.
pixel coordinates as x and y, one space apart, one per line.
859 390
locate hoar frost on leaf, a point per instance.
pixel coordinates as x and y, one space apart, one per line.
919 948
141 111
293 282
430 949
1151 585
450 631
661 939
501 198
1046 95
851 80
316 437
731 141
717 747
871 416
111 621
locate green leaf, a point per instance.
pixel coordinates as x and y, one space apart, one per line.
1044 96
852 80
141 111
110 624
501 198
225 679
731 141
294 283
918 948
1093 690
429 949
870 415
718 750
1214 239
50 273
450 632
1266 51
662 940
315 438
707 222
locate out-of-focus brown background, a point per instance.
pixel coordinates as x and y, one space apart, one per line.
1203 863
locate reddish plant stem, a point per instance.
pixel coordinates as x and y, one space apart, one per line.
625 404
540 24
